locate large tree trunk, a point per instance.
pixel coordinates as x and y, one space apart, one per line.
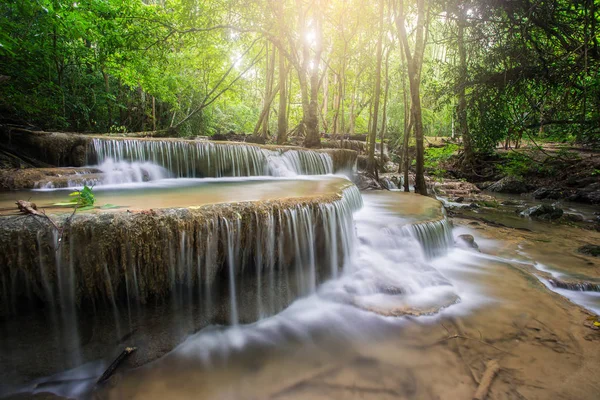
373 134
282 121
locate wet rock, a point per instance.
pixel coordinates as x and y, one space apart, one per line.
473 206
459 200
484 185
388 183
571 217
546 193
467 241
590 250
543 211
390 167
366 182
580 286
590 194
255 139
509 184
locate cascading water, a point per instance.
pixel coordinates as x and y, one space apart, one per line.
191 159
435 236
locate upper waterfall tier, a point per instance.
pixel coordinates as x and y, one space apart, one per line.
180 157
193 159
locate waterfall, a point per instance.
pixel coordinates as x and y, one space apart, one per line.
197 159
435 237
132 257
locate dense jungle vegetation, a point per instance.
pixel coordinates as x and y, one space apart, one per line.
487 73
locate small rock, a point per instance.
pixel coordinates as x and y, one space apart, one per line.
459 199
467 241
543 211
473 205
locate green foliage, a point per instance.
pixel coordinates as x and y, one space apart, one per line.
82 200
435 157
515 164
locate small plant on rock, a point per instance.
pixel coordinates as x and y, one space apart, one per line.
82 200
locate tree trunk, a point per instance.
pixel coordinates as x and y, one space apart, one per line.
153 113
414 64
269 92
406 155
385 101
325 104
108 105
282 121
461 110
313 138
372 166
263 118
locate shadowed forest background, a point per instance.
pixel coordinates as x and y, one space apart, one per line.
482 73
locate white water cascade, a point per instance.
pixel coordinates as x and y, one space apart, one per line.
198 159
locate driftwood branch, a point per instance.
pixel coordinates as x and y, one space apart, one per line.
492 368
115 364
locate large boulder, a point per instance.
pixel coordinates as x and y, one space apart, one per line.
542 211
510 184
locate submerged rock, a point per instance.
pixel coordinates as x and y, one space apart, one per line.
542 211
509 184
467 241
590 250
573 217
